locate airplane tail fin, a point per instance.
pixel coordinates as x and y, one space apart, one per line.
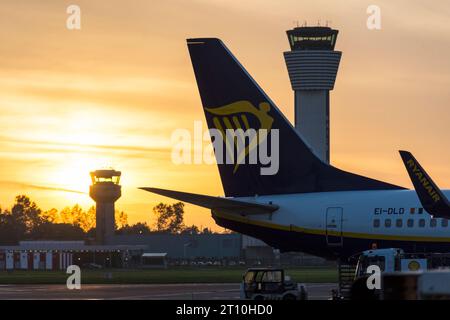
233 100
431 197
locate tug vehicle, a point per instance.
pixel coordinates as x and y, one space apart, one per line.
270 284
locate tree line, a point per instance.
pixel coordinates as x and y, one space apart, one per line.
26 221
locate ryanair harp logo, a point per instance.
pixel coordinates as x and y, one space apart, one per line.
233 119
422 178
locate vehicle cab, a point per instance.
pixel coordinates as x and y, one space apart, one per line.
392 260
270 284
386 259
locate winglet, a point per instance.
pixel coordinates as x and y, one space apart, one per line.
431 197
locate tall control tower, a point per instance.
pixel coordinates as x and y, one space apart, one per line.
105 190
312 64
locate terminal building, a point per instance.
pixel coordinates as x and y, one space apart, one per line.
58 255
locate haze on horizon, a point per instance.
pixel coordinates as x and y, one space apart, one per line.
110 94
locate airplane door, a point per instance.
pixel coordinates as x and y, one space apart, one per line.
334 227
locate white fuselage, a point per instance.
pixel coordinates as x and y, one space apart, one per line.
359 210
376 216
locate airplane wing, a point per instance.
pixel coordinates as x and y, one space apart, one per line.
431 197
230 205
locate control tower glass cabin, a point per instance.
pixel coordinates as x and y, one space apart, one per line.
105 190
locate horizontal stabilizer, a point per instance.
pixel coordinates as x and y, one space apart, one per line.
431 197
229 205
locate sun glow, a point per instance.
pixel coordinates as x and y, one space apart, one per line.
78 157
73 174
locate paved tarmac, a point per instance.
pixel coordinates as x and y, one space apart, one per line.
215 291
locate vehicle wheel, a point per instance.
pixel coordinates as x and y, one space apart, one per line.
289 297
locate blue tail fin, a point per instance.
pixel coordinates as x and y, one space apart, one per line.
431 197
231 100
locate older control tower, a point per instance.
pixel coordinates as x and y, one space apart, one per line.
105 190
312 64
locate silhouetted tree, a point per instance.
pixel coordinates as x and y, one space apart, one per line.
50 215
72 215
26 214
58 231
206 231
191 230
89 220
27 221
10 231
121 219
138 228
169 218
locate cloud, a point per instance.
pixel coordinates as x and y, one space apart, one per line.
23 185
65 146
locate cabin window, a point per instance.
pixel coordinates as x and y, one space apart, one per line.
399 223
410 223
387 223
420 210
444 223
376 223
422 223
433 223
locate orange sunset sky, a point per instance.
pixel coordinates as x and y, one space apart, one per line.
111 94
